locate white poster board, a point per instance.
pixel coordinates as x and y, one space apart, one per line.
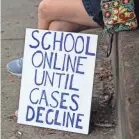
57 80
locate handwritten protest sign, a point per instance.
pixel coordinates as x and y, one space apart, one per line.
57 80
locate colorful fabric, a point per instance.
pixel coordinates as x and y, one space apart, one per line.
118 15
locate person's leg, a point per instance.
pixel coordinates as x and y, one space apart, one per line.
62 16
66 26
71 11
58 15
15 66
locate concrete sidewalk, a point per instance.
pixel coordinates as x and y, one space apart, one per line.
17 15
128 49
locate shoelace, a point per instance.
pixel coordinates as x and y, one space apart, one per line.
20 62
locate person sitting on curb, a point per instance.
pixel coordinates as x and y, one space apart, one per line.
69 16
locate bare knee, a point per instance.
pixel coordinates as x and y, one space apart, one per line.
43 8
44 5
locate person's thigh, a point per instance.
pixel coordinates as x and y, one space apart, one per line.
66 10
